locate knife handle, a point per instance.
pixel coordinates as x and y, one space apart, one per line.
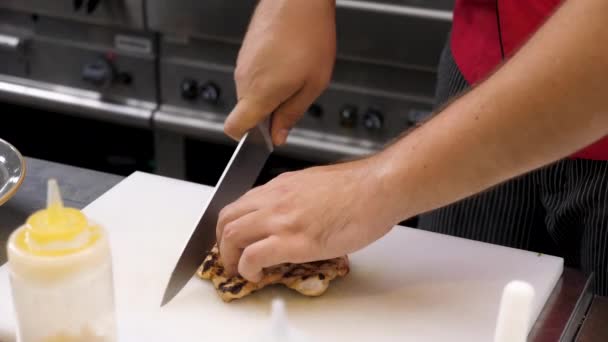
265 127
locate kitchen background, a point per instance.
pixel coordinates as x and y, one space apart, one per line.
126 85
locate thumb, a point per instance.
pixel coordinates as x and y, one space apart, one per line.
247 113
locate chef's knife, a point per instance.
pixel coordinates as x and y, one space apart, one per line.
239 176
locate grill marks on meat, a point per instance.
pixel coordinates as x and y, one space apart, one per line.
309 279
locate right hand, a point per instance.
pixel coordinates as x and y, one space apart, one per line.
284 64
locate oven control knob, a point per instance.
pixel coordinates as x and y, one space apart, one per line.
210 92
315 110
78 4
92 6
373 120
100 72
348 116
189 89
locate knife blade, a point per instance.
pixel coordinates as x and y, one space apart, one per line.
238 177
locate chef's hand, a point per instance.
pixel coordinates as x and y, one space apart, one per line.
284 64
314 214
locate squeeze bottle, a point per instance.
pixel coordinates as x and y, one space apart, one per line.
60 271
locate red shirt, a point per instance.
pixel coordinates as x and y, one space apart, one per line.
478 47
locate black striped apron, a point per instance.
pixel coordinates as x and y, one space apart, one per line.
560 209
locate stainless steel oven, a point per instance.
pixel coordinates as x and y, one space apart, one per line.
115 13
382 84
86 69
156 77
85 78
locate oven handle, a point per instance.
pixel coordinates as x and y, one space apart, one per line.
411 11
78 102
210 125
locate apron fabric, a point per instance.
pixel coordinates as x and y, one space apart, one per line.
560 209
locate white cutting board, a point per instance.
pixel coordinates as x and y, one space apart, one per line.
409 286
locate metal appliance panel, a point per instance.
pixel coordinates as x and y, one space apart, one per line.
403 38
397 97
15 31
48 68
383 80
44 67
201 18
374 31
123 13
176 74
57 51
184 17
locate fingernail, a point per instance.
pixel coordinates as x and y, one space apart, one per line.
229 130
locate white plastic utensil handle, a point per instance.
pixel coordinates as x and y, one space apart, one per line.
514 314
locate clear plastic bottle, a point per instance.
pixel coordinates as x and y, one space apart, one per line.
61 276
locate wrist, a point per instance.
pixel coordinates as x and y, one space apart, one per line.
385 185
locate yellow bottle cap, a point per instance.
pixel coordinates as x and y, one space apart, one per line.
57 230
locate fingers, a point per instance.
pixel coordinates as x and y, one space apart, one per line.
290 111
247 113
263 253
286 107
246 204
239 234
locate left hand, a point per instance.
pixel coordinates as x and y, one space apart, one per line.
315 214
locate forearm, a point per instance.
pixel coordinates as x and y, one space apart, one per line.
545 103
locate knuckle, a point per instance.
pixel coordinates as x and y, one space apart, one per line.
248 258
274 88
286 223
240 73
231 232
224 211
224 214
320 82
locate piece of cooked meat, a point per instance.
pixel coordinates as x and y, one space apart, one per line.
309 279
